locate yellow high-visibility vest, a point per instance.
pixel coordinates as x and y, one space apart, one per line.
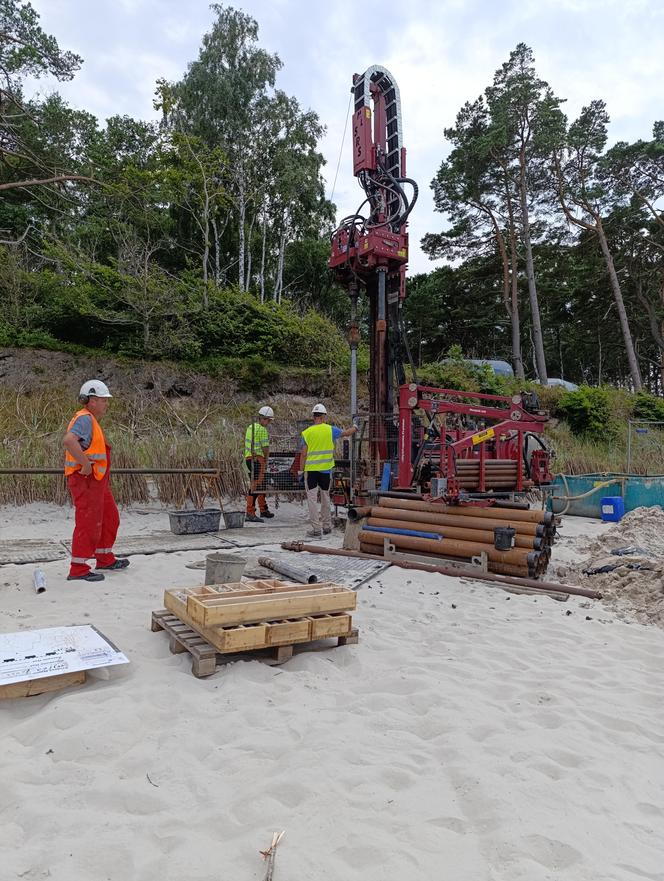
256 438
320 447
96 452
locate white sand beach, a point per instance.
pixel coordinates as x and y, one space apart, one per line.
471 735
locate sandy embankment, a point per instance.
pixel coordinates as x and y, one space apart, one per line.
470 736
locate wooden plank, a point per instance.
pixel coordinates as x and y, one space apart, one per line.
292 604
241 638
223 639
325 626
285 632
352 639
40 686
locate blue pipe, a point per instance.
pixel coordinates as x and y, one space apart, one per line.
414 532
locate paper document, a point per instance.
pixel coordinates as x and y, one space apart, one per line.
34 654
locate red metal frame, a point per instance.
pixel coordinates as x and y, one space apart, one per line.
509 423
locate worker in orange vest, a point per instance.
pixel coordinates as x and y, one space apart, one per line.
87 467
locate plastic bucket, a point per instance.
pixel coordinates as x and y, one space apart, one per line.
223 568
190 522
234 519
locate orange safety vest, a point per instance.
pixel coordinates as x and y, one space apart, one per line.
96 452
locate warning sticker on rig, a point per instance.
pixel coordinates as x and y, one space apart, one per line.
487 434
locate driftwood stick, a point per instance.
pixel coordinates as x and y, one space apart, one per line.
270 855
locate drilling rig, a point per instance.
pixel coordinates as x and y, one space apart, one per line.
462 447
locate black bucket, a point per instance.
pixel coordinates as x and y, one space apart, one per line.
503 538
192 522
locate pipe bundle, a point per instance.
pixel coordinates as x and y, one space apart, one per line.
498 474
460 533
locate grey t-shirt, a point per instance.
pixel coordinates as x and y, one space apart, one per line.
82 428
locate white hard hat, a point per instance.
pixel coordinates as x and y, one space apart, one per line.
95 387
267 412
319 408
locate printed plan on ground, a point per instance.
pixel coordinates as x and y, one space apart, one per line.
34 654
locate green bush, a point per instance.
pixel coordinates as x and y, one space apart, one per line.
648 407
455 372
588 412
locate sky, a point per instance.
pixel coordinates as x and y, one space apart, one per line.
441 53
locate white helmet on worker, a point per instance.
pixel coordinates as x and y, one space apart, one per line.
319 409
266 412
96 388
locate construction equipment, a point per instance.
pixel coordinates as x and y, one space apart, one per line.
454 445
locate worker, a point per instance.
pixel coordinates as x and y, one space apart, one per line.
318 458
256 452
87 468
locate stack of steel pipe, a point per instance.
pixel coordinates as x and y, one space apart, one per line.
460 532
498 474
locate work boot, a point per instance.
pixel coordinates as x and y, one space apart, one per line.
327 531
267 514
120 563
89 576
252 518
313 533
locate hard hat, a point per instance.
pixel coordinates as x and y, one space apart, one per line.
267 412
95 387
319 408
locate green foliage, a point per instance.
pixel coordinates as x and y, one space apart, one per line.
457 373
648 407
588 412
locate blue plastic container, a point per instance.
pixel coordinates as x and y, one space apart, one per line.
612 508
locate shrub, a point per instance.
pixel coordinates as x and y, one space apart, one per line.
648 407
588 412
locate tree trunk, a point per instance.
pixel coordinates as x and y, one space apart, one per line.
217 264
206 246
510 292
538 339
634 371
517 355
280 267
242 208
263 257
249 253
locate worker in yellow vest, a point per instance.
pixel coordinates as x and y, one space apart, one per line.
318 458
256 453
87 468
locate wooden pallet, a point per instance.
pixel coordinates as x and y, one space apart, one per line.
31 687
205 657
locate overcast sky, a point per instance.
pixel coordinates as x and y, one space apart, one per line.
441 52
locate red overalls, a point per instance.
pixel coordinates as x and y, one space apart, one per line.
97 517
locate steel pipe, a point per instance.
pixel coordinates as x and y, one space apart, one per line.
292 572
484 536
468 549
355 514
545 517
210 471
482 523
491 578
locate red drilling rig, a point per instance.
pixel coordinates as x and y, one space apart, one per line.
458 445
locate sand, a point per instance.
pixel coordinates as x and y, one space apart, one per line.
471 735
631 582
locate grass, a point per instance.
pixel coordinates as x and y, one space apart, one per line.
146 430
579 455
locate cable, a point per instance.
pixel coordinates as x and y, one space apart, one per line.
341 149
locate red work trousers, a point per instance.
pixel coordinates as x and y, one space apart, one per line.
96 524
256 468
